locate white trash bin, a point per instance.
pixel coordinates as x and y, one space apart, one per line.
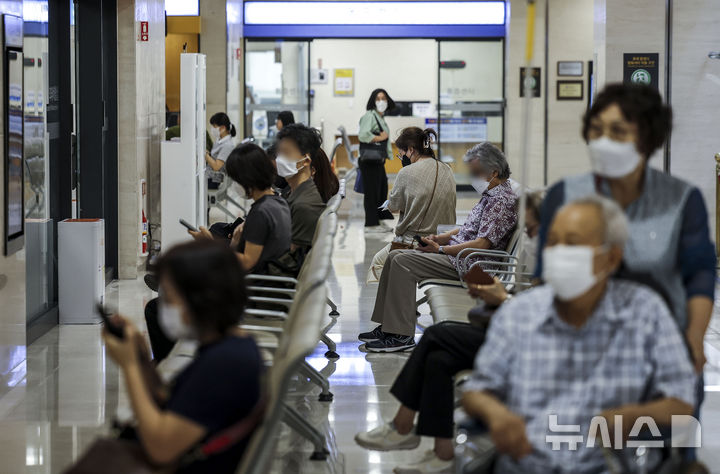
81 270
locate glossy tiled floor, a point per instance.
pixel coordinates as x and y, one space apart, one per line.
72 391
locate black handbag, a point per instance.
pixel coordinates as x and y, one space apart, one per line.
375 152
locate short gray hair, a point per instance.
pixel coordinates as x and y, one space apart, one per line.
491 157
614 219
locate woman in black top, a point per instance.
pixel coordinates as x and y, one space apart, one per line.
203 297
265 234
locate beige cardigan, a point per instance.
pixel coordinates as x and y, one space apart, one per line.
411 195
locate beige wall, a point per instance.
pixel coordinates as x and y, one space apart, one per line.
12 274
405 68
570 38
695 96
141 121
213 44
515 58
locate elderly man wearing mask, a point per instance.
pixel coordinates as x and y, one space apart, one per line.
584 344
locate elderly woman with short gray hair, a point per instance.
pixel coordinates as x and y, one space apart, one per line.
489 226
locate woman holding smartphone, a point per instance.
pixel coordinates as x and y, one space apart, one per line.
202 287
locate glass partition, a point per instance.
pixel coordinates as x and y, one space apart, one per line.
471 99
276 79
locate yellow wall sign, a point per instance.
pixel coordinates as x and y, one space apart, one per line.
344 82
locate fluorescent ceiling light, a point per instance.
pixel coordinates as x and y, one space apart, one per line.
35 11
182 7
374 13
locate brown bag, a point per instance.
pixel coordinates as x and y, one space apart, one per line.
116 456
401 246
120 456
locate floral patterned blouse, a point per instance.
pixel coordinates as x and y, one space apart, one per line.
493 218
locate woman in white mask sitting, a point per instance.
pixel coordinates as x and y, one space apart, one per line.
202 288
222 133
375 148
669 248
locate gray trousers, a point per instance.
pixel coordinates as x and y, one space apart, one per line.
395 302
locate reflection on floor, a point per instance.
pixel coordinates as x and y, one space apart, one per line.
72 391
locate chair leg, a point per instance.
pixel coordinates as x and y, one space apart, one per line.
296 422
332 347
333 307
317 378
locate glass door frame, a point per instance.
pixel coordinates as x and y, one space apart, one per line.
291 107
489 105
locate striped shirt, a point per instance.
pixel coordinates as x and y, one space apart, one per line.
628 351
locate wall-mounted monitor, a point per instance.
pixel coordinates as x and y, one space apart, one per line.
13 167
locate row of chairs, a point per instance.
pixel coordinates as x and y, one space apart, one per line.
288 336
449 299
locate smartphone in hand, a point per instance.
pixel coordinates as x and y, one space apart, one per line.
111 327
188 225
419 240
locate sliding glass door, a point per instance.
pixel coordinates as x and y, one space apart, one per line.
276 79
471 99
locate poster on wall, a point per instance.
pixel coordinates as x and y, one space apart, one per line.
344 82
460 130
641 68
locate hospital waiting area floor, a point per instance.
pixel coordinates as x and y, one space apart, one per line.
72 391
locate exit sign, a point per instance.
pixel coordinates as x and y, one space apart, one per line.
144 35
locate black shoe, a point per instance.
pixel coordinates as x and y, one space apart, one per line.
151 281
373 335
391 343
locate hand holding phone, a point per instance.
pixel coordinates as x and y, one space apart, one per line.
188 225
419 240
114 329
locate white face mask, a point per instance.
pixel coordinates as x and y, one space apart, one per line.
171 322
480 184
286 167
568 269
381 105
612 159
215 134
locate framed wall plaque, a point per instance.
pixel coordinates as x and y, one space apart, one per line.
570 68
570 90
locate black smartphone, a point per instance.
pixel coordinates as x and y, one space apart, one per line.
419 240
188 225
111 327
235 225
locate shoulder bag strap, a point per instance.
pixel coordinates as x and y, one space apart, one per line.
377 120
432 195
230 435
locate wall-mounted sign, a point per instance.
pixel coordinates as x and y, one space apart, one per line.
641 68
460 130
144 31
569 68
570 90
318 76
344 83
532 80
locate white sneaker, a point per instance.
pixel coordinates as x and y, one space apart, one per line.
386 438
430 463
377 229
